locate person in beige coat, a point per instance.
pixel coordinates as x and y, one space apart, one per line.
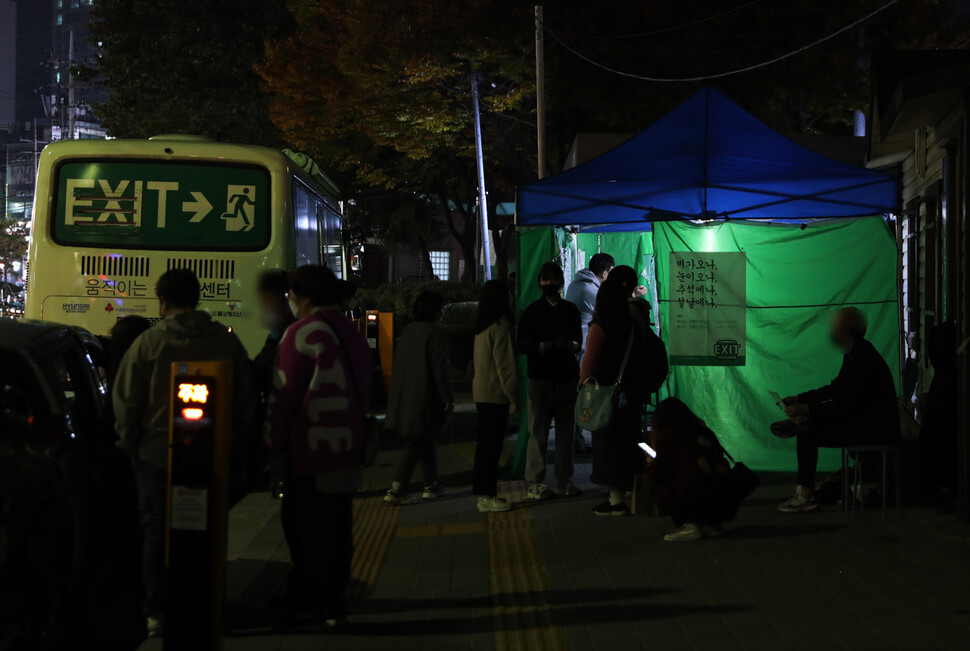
495 389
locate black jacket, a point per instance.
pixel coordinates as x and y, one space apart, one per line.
556 324
861 399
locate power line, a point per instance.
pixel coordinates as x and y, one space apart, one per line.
664 29
729 73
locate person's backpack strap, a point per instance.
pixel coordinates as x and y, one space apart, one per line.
626 356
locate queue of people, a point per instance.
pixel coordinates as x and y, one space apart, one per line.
311 385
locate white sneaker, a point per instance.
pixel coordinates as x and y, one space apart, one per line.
568 489
799 504
156 627
434 490
493 504
685 533
396 497
539 491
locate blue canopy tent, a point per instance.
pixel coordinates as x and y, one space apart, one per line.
706 159
702 179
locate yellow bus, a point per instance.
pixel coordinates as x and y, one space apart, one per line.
110 216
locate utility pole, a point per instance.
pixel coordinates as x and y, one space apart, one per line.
540 93
482 200
72 119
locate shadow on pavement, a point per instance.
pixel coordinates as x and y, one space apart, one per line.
781 531
572 607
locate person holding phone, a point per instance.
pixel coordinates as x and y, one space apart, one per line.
688 455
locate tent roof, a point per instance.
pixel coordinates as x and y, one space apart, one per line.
706 159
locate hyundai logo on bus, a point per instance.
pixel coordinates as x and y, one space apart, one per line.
124 201
727 349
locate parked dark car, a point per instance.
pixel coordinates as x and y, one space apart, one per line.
59 446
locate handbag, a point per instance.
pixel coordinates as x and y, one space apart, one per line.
596 404
741 478
370 427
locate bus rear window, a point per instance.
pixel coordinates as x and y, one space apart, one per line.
132 204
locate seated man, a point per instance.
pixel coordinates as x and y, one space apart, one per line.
857 407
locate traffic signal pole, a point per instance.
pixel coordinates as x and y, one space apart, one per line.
198 505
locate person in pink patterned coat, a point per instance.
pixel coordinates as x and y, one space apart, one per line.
314 430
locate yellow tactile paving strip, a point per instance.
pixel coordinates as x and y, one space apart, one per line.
524 617
374 526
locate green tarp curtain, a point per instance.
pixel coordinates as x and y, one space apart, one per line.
796 276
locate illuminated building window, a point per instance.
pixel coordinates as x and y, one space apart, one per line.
60 19
441 264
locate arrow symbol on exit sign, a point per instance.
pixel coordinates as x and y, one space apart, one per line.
201 207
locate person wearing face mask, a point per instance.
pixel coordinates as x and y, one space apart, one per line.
141 397
276 315
550 333
315 430
858 407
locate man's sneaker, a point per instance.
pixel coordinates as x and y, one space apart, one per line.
395 497
434 490
493 504
610 509
567 489
685 533
799 504
156 627
539 491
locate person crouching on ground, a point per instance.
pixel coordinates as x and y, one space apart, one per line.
421 397
495 389
616 349
549 337
857 407
689 456
315 431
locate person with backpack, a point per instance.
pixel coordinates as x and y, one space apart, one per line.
621 349
495 389
421 397
689 474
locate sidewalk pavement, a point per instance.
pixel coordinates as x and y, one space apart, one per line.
552 576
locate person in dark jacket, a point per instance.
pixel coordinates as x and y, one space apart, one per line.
421 397
857 407
549 336
276 316
616 327
688 457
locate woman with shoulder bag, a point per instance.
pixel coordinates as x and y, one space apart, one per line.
615 344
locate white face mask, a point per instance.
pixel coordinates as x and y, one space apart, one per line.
294 308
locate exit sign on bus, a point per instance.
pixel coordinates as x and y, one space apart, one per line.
160 205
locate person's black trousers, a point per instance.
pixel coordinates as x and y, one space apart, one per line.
818 434
319 531
418 449
492 419
152 483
